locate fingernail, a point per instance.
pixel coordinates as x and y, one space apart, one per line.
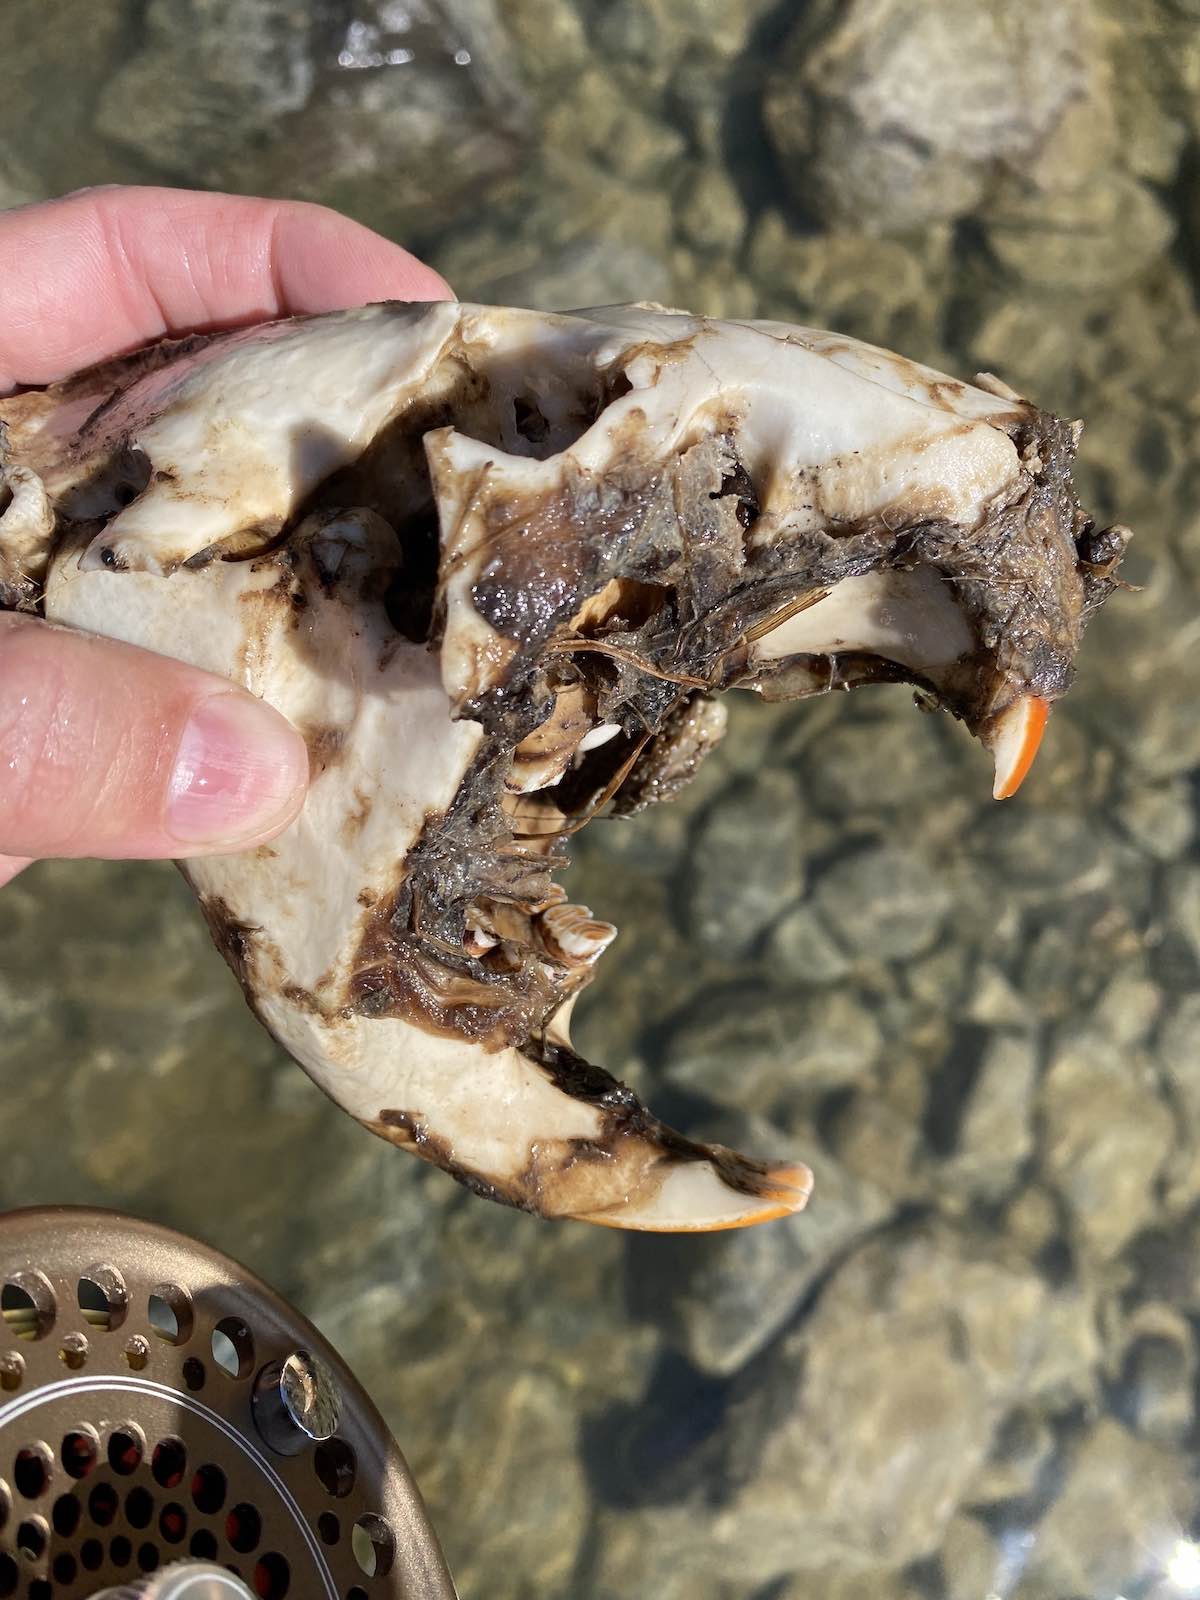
237 772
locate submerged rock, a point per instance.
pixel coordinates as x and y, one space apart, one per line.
843 774
831 1583
803 946
995 1134
570 235
210 76
512 1529
1047 856
972 1560
1116 1522
394 113
418 111
1021 1449
548 41
883 289
1153 49
1099 236
618 136
890 114
591 271
880 1142
751 844
756 1049
838 1459
1160 818
54 62
710 212
1157 1375
1106 1135
887 903
720 1300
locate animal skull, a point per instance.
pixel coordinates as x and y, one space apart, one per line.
494 564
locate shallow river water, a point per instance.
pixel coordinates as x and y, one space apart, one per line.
971 1369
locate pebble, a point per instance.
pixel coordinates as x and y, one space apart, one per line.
710 212
1116 1520
802 946
1157 1376
210 76
1105 1136
720 1299
886 902
753 1049
846 1464
995 1134
751 845
898 114
1079 245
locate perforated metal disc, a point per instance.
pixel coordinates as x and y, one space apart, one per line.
157 1402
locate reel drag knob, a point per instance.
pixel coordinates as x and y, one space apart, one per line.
188 1581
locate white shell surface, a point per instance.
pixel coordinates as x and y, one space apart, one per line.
247 431
379 701
906 616
235 436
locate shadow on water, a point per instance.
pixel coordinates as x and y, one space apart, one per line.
657 1450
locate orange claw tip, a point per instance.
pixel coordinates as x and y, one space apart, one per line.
789 1193
693 1198
790 1187
1014 739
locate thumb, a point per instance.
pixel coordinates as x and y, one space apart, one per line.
108 750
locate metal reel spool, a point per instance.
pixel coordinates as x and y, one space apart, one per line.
158 1403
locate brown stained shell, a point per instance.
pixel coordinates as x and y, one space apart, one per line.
497 565
542 757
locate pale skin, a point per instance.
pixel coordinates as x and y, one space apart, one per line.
107 750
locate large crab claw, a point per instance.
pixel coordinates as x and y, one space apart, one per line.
494 565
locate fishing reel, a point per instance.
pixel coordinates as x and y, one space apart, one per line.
171 1429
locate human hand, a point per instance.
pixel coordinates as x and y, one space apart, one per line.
105 749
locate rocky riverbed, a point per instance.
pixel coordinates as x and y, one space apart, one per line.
970 1369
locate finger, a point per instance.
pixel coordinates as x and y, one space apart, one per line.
108 269
108 750
10 866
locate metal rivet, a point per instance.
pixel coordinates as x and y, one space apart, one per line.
296 1403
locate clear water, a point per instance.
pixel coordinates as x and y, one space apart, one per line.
971 1369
